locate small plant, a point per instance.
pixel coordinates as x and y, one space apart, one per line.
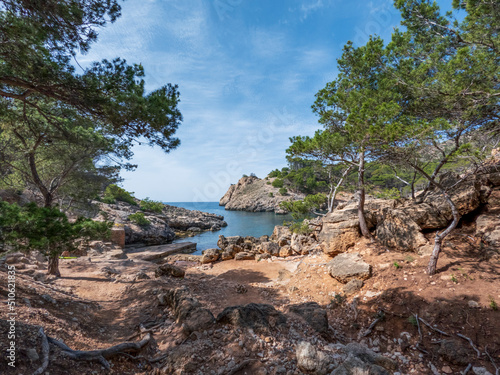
277 183
244 175
337 300
454 279
283 191
299 227
139 219
396 265
413 320
268 183
409 259
150 205
493 304
271 194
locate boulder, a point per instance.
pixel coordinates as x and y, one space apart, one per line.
270 248
244 255
361 360
455 352
352 286
345 267
187 310
230 251
169 270
488 223
224 242
281 231
398 231
301 244
259 317
210 256
340 231
313 314
259 257
310 360
286 251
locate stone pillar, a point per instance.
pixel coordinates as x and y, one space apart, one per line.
118 235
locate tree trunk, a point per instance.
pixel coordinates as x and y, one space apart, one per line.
53 268
333 191
438 240
361 196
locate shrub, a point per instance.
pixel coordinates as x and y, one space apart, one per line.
283 191
115 193
139 219
150 205
277 183
392 193
299 227
271 194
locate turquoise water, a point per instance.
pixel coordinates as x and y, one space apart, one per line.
239 223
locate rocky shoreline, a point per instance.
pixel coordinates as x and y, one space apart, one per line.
253 194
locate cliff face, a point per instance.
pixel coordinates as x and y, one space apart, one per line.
255 195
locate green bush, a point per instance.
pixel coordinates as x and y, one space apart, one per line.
283 191
299 227
150 205
139 219
392 193
278 183
115 193
271 194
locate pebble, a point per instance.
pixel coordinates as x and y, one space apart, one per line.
473 304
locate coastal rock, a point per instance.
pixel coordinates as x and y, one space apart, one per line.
210 256
348 266
281 231
270 248
488 223
244 255
302 244
259 257
286 251
224 242
255 195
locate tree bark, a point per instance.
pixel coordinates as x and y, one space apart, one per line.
438 240
53 268
361 196
333 192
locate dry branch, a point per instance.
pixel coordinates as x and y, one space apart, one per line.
101 355
471 344
45 353
433 328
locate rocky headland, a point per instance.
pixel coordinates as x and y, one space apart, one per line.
256 195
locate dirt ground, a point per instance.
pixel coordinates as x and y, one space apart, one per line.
98 303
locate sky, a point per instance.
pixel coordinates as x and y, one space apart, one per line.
247 72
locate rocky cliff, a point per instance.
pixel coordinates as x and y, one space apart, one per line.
256 195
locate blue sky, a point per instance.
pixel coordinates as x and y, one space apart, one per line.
247 72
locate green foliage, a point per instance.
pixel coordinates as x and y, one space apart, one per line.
302 208
139 219
396 265
277 183
454 279
45 229
115 193
413 320
338 300
271 194
150 205
299 227
392 193
283 191
493 304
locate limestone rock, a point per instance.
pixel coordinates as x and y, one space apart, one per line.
270 248
399 231
259 257
281 231
311 360
286 251
352 286
169 270
454 352
347 266
244 255
255 195
301 244
210 256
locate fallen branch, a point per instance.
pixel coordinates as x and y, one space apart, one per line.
103 354
471 344
497 369
467 369
420 335
434 328
45 353
374 323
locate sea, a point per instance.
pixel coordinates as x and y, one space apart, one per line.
239 223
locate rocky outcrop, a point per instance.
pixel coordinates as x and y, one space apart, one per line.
256 195
259 317
488 223
162 226
169 270
399 223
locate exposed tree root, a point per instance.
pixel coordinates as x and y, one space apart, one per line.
467 369
103 354
45 353
241 366
497 369
433 328
471 344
